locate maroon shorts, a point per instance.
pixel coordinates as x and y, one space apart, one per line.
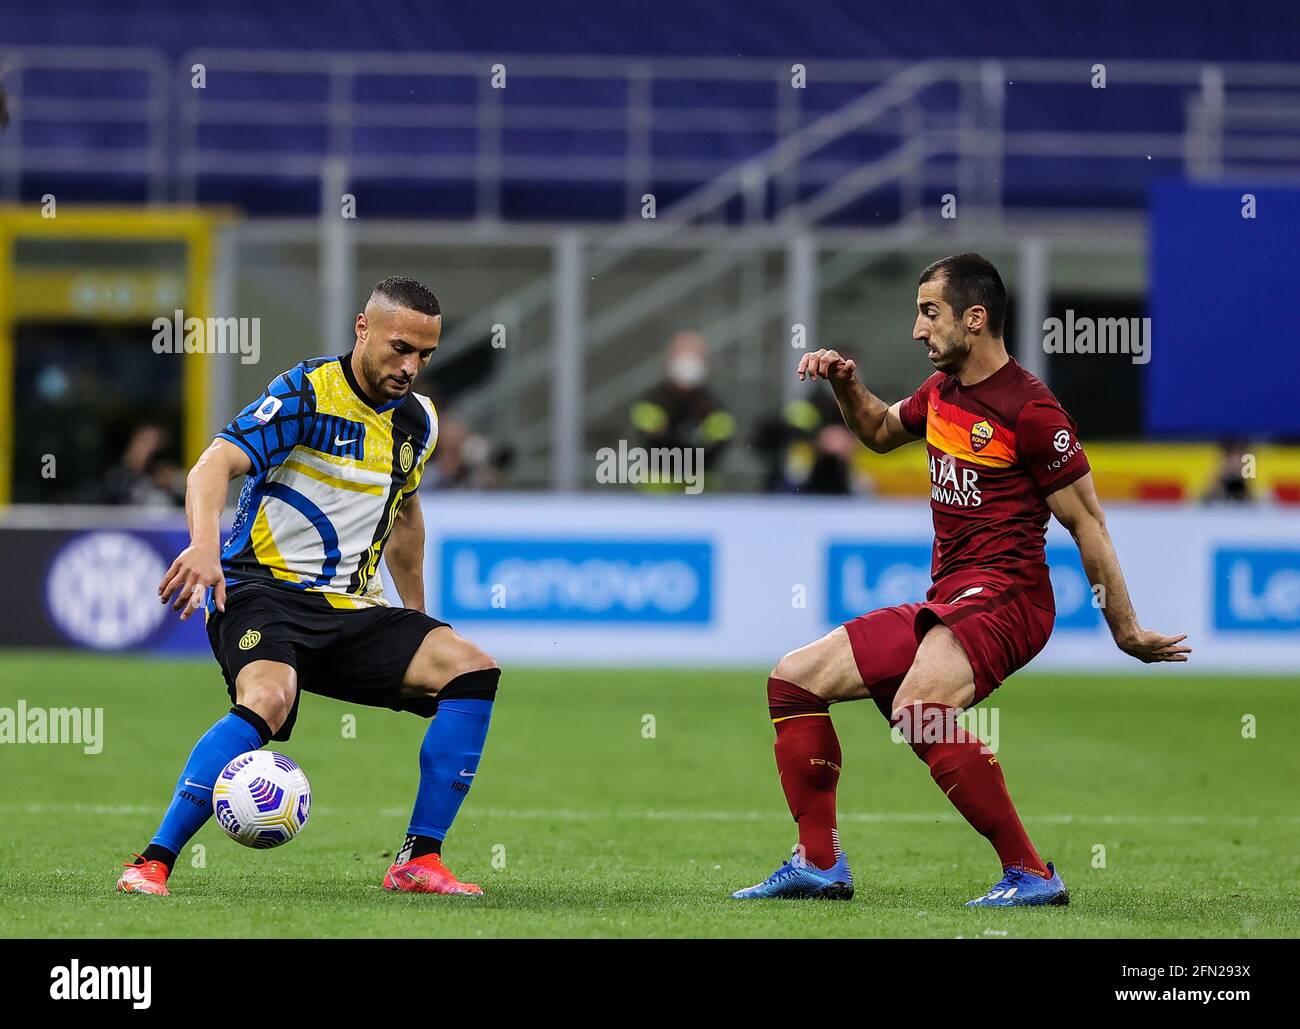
1001 621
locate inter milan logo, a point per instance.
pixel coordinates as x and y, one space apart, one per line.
406 456
250 639
980 434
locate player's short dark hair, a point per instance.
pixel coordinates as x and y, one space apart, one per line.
968 280
407 293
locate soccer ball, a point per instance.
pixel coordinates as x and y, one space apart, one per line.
261 799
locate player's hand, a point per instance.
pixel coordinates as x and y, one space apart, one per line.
194 570
826 364
1149 647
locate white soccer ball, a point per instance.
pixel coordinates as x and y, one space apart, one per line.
261 799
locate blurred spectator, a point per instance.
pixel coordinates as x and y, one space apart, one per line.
146 475
808 449
832 470
1230 483
681 411
464 459
164 482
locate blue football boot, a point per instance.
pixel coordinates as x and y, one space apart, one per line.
798 880
1019 888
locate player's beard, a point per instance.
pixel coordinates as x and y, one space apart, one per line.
378 380
950 354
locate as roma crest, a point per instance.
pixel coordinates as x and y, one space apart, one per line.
980 434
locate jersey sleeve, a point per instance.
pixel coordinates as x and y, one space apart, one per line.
913 410
273 424
1047 442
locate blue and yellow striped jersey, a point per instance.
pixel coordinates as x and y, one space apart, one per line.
330 472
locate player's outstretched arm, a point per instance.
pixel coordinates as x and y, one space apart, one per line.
198 566
873 421
404 553
1077 508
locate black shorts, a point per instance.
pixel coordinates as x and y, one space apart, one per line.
354 654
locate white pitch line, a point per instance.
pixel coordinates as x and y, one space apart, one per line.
858 816
652 815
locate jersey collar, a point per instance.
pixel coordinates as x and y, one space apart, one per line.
345 360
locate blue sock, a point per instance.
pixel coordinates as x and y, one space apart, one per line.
192 804
449 759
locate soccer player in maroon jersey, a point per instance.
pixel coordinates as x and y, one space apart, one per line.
1003 456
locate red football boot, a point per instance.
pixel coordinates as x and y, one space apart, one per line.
427 874
149 877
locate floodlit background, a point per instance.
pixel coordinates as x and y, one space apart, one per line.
636 218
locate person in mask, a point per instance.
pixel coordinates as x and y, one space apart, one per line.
680 411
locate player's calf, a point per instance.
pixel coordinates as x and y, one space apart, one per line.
236 733
457 682
929 701
800 691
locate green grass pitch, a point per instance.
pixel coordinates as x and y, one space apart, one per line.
584 823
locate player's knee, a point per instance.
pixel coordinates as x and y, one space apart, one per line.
911 692
480 659
798 669
789 700
271 698
467 664
473 684
901 702
471 662
788 669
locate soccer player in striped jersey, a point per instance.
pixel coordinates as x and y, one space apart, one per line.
332 454
1003 456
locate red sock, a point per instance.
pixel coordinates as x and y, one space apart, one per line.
808 760
971 778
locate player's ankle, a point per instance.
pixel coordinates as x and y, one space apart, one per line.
417 846
153 852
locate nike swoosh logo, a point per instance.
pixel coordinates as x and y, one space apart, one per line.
467 775
967 593
344 442
197 785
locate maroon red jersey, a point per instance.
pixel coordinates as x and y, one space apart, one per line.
997 450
